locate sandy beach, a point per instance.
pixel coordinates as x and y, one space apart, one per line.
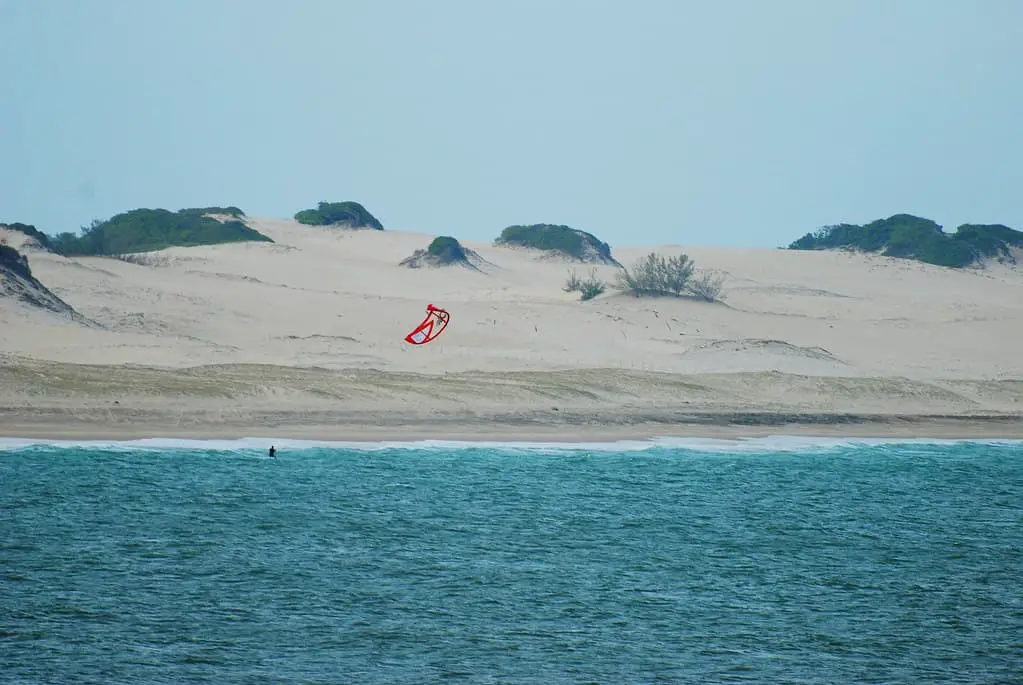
303 338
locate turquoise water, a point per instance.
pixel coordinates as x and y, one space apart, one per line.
773 561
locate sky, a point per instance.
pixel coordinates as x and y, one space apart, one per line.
724 122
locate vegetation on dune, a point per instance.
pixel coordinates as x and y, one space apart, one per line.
335 213
446 249
200 211
14 261
567 241
989 240
706 285
657 276
443 251
144 230
588 287
17 282
31 232
911 237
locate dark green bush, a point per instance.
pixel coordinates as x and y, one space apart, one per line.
654 276
230 211
144 230
568 241
329 213
910 237
587 288
447 249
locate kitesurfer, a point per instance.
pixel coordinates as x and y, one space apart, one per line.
273 452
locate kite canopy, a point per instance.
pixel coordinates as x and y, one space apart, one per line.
433 325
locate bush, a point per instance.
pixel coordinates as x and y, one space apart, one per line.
591 287
574 283
911 237
707 285
329 213
565 240
226 211
656 276
446 249
588 288
145 230
989 240
443 251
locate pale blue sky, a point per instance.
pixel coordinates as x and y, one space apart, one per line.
648 121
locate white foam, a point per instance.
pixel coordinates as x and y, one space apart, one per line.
774 443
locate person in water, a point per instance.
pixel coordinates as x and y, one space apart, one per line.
273 452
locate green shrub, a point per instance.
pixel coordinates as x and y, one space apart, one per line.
910 237
228 211
145 230
590 288
574 283
706 285
568 241
329 213
988 240
446 249
587 288
656 276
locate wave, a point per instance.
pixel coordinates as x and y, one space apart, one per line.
774 443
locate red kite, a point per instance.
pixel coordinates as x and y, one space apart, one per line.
433 325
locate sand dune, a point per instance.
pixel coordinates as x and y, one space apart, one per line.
806 331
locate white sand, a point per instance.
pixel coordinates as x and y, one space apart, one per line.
336 299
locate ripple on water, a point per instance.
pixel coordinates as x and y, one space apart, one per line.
809 563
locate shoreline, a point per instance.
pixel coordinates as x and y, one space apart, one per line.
55 400
107 425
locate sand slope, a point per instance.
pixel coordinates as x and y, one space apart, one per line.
338 300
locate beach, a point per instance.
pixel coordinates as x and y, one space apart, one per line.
303 338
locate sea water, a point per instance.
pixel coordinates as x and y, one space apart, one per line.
764 561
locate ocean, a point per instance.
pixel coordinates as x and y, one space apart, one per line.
776 560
